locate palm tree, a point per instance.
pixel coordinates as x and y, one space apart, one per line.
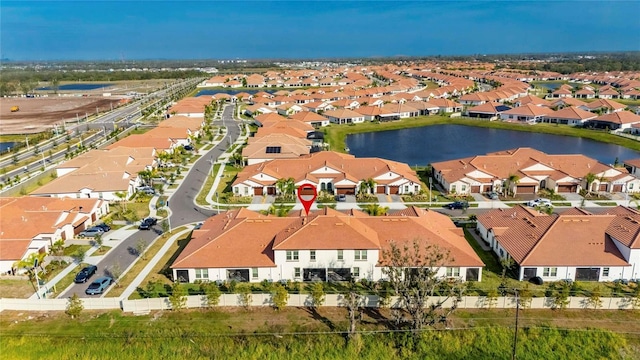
367 186
28 262
122 196
281 185
590 178
376 210
512 181
290 186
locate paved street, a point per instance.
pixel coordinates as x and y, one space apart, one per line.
181 204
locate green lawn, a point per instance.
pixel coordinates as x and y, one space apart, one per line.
336 134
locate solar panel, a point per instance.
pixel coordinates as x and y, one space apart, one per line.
274 149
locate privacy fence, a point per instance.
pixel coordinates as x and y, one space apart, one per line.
303 300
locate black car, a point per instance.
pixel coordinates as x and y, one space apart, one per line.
457 205
188 147
103 226
84 274
147 223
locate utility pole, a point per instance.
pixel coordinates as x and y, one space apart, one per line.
515 335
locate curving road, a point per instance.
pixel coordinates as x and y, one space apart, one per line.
181 203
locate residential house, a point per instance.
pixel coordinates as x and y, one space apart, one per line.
603 105
331 172
621 121
528 113
343 116
575 244
100 174
446 105
275 146
490 110
326 245
314 119
33 224
533 169
562 103
569 116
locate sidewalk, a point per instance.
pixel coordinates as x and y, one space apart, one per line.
112 239
222 160
153 262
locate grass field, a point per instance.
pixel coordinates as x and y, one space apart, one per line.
299 333
336 134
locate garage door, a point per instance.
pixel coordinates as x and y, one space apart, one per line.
475 189
380 189
603 187
394 189
306 191
617 188
526 189
346 191
257 191
567 188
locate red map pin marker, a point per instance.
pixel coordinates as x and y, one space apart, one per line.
307 194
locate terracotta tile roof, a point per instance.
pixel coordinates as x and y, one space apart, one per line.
308 116
569 239
489 108
529 110
569 101
604 103
619 117
573 113
342 114
242 238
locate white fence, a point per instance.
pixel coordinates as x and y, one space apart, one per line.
298 300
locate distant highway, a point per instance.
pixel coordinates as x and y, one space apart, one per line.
123 116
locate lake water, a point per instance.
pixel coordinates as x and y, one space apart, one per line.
230 92
5 145
429 144
78 86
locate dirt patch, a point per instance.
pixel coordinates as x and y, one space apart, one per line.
40 114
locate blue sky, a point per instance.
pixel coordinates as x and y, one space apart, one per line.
108 30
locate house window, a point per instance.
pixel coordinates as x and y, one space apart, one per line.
630 186
453 271
453 188
312 255
605 272
202 273
360 255
550 271
254 273
356 272
406 188
292 255
296 273
463 188
340 255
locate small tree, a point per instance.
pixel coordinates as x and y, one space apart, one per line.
211 292
279 296
525 295
99 241
165 226
74 306
140 247
79 256
352 301
244 295
560 298
317 295
594 300
178 297
115 271
492 298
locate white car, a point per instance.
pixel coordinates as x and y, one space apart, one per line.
540 202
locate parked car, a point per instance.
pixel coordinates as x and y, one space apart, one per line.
341 197
103 226
457 205
84 274
492 195
540 202
198 226
536 280
147 190
99 285
147 223
92 232
188 147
